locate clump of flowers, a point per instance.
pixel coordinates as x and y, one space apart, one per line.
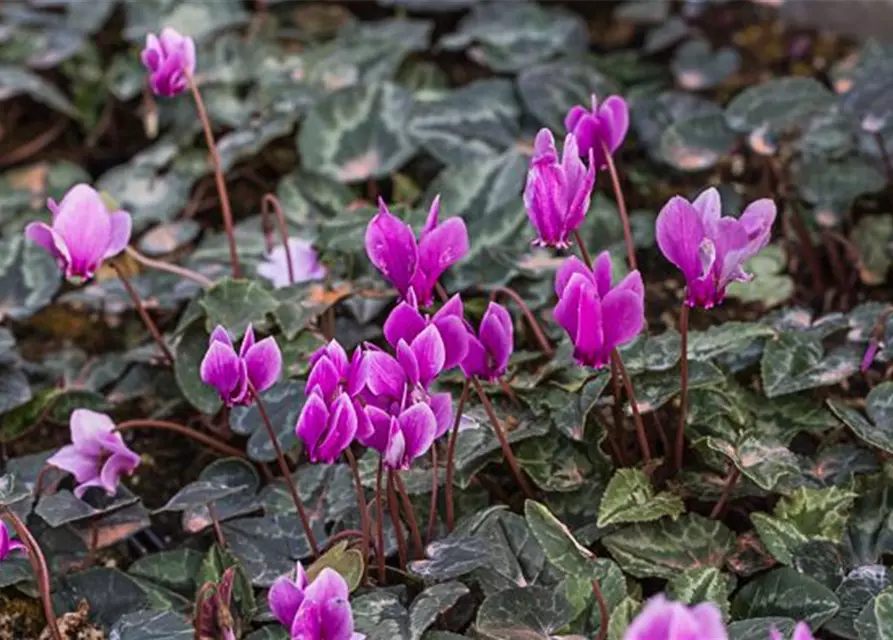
169 57
238 376
313 610
83 232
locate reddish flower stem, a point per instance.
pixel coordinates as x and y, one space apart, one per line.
177 270
190 433
347 534
215 521
283 467
503 440
621 206
144 315
545 347
435 487
602 609
409 511
583 252
41 571
361 503
617 406
451 459
731 481
379 507
683 394
634 406
394 509
268 202
218 174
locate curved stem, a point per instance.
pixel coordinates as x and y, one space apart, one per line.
409 510
617 406
361 503
283 467
621 206
218 174
503 440
583 252
41 572
451 459
379 515
270 201
160 265
346 534
602 610
394 509
215 521
144 315
435 488
683 400
731 481
545 347
190 433
885 156
631 397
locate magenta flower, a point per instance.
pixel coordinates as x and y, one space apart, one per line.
168 58
801 632
410 264
83 233
327 429
870 354
662 619
709 249
597 317
403 437
557 194
319 610
97 455
605 124
230 373
7 544
304 261
489 351
406 323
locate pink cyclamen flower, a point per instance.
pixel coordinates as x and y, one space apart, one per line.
801 632
168 58
710 250
83 233
557 194
97 455
411 264
662 619
257 365
406 323
489 351
318 610
597 317
870 354
604 124
304 261
7 543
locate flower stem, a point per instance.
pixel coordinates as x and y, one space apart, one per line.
144 315
41 572
683 400
583 252
283 467
190 433
888 167
268 202
218 174
545 347
215 521
731 481
451 459
409 510
617 406
435 487
631 398
177 270
621 206
503 440
602 610
394 509
379 507
361 503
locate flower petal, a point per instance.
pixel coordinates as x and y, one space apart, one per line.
409 362
342 429
222 369
312 423
403 323
623 316
44 236
116 466
497 335
442 406
419 426
603 273
632 282
393 453
324 375
619 114
120 233
567 270
383 375
589 339
247 341
82 466
391 247
454 334
87 429
84 224
679 232
430 354
220 334
475 361
285 598
709 205
441 248
328 585
431 220
263 363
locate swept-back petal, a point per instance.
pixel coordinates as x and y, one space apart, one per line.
312 423
409 362
623 315
284 599
709 205
220 334
44 236
325 376
88 428
120 233
442 406
394 452
383 375
679 232
567 270
589 339
419 426
497 335
403 323
616 108
263 363
475 361
222 369
82 466
84 224
603 270
116 466
443 247
391 247
632 282
454 334
342 430
430 353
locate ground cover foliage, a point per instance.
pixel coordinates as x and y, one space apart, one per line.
782 509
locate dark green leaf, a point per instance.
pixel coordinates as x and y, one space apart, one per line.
550 89
15 81
152 625
431 604
528 612
856 591
62 507
784 592
190 351
696 144
697 67
235 304
702 584
630 497
29 277
198 493
283 403
794 362
560 547
175 570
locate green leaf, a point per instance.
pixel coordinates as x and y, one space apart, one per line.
190 351
283 402
380 615
175 570
559 545
431 604
216 562
348 562
29 278
697 67
555 463
152 625
877 430
358 133
652 116
761 458
702 584
784 592
63 507
872 236
725 338
225 472
875 622
833 185
621 617
527 612
452 557
856 591
796 361
654 390
662 549
630 497
15 81
759 628
199 493
308 197
696 144
235 304
771 285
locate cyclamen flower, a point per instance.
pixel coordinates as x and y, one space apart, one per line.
709 249
7 544
489 351
230 373
410 264
557 194
598 317
97 455
604 124
318 610
662 619
168 58
214 617
83 233
801 632
406 323
304 261
870 354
